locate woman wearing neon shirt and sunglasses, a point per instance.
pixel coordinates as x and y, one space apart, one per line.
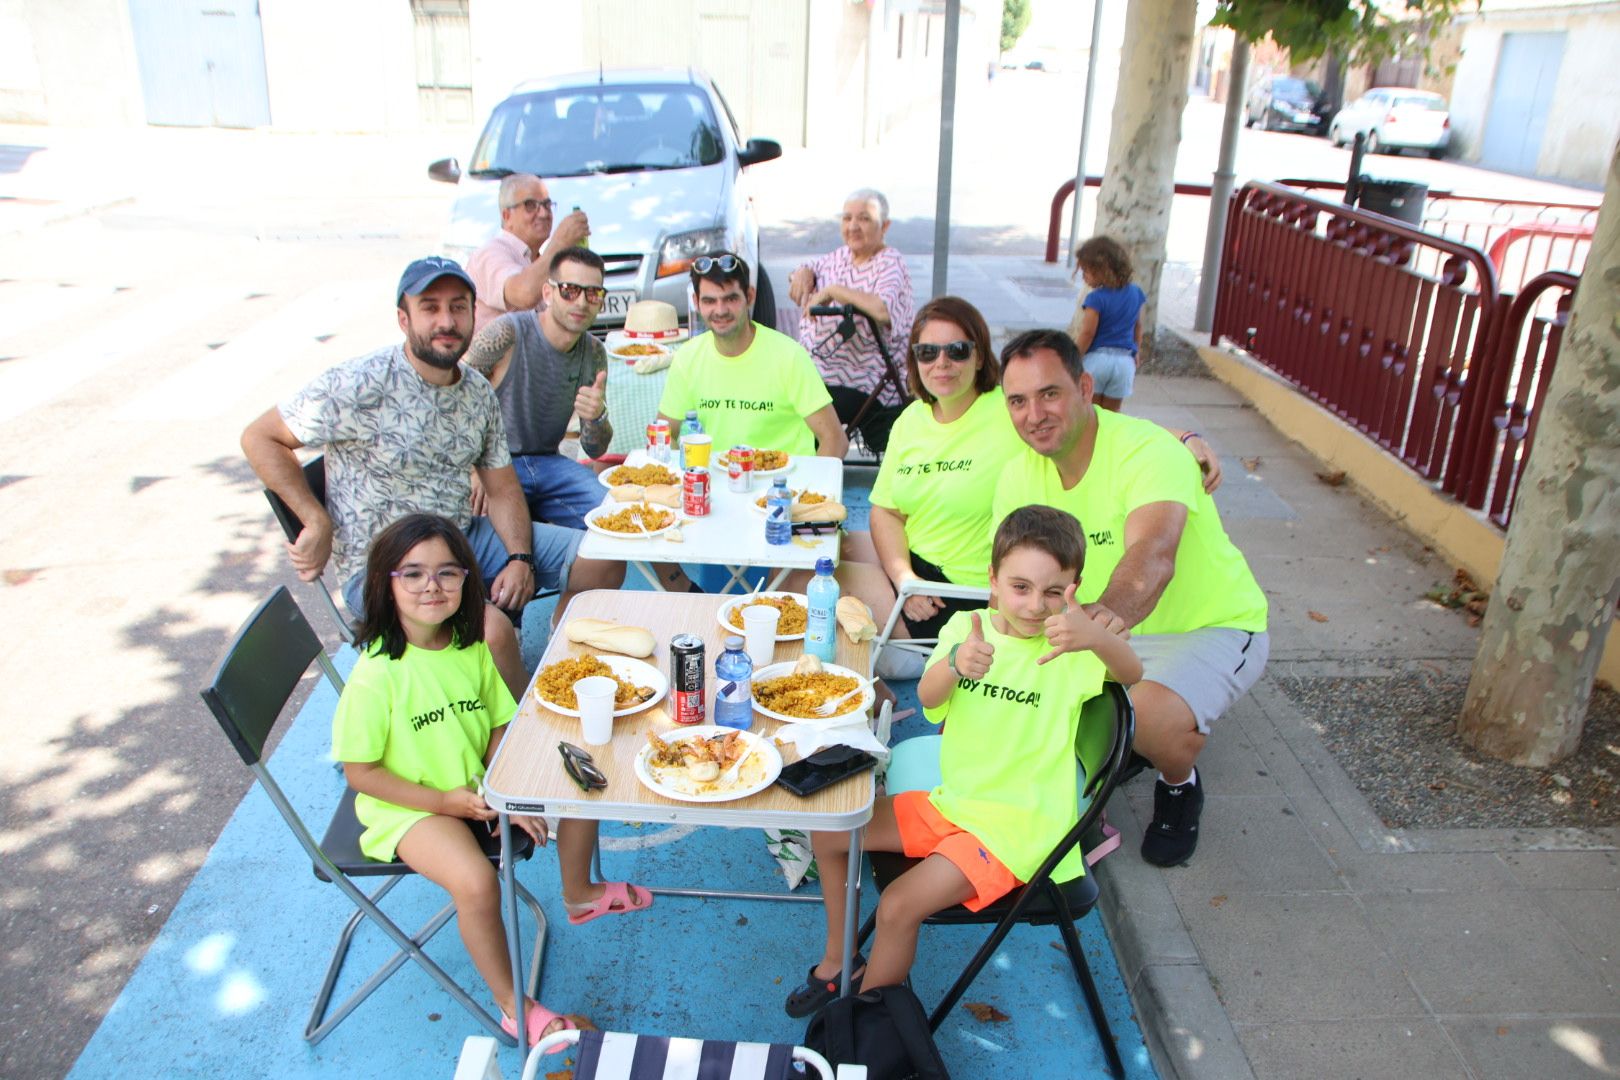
931 504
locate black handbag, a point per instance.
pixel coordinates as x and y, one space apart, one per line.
884 1029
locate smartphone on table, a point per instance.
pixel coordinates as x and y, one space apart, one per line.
824 768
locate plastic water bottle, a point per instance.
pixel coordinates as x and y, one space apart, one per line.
779 513
820 634
691 425
734 693
584 241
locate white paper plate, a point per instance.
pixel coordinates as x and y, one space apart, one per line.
631 670
776 671
724 614
719 468
634 459
614 508
753 501
750 778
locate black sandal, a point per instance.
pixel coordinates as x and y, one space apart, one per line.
816 993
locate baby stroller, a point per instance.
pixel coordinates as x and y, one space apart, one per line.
870 422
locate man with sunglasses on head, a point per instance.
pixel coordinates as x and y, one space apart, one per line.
545 367
749 385
511 270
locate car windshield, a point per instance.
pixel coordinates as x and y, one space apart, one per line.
1428 102
597 129
1295 90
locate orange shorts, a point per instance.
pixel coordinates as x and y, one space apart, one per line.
925 831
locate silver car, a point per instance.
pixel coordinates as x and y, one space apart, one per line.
653 157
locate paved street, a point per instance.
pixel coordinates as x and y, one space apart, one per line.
159 288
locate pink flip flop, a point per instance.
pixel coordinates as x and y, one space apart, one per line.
619 898
535 1021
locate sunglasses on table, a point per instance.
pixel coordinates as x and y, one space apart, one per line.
581 767
594 294
957 352
724 263
529 206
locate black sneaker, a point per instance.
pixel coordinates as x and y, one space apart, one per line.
1173 836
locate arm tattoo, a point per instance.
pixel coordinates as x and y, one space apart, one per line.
490 344
595 435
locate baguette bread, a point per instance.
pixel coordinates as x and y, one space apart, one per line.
856 619
609 636
822 511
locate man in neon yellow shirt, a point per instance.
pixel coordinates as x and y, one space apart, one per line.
749 385
1157 557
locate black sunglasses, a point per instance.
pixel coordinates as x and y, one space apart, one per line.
957 352
581 767
594 294
724 263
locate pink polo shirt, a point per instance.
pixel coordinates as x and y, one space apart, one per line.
490 267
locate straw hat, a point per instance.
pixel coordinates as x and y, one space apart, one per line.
651 319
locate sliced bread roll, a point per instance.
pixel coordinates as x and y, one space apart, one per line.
856 619
663 494
609 636
821 511
627 492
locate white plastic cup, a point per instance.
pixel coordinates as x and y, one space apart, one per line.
595 694
759 633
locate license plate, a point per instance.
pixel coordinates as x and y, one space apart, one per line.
617 305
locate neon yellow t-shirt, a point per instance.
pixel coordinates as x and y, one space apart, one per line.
1136 463
942 477
1006 759
427 717
758 399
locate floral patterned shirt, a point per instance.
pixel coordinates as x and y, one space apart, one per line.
395 444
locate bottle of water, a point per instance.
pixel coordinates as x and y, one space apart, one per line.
584 241
779 513
734 693
820 635
690 426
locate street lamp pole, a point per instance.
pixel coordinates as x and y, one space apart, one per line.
947 130
1220 188
1085 131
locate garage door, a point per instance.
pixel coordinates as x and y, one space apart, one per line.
202 63
1526 72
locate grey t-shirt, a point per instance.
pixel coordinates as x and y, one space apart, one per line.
537 393
395 444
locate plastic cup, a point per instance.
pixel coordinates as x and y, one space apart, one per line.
595 694
695 451
759 633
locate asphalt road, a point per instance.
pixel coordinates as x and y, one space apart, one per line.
136 341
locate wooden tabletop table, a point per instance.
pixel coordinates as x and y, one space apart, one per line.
527 775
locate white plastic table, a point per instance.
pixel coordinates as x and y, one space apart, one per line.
732 534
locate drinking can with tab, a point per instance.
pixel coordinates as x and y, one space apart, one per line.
658 441
695 492
686 678
740 468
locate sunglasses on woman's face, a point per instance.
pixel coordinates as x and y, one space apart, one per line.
957 352
581 767
594 294
704 263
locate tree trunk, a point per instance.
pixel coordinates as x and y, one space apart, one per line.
1133 205
1560 579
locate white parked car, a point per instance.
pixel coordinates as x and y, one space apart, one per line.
1395 118
653 157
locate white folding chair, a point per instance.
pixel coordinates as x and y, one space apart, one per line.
923 646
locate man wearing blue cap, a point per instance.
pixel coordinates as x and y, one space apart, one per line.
403 428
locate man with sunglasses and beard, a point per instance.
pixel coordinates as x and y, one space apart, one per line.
749 385
511 270
545 367
403 429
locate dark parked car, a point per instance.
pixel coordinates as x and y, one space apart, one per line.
1286 103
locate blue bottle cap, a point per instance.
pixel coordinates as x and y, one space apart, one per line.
824 566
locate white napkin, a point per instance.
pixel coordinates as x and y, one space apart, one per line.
807 738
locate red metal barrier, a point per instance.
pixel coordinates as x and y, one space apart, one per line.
1403 333
1054 225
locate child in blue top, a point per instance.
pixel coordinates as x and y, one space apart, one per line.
1110 332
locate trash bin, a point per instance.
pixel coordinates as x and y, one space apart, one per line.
1399 199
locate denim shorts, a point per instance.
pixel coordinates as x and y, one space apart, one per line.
1112 370
554 551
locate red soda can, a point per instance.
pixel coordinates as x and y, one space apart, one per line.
686 678
695 492
740 468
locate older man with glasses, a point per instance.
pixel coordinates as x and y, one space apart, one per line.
545 367
510 271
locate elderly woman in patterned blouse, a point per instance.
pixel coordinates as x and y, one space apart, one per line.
871 276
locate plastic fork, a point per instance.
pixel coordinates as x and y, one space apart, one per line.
828 708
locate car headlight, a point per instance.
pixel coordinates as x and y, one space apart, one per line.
678 251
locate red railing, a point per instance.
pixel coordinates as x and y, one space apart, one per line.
1054 224
1401 332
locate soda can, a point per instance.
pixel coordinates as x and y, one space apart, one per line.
686 678
740 469
695 492
658 444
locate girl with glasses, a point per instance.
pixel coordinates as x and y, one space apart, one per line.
418 723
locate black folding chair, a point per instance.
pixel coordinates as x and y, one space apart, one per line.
247 694
842 332
1103 744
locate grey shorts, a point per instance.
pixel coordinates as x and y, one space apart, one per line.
1112 371
1209 669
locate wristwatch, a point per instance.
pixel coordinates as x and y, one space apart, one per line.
522 557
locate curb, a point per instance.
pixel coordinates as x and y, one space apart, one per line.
56 215
1188 1033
